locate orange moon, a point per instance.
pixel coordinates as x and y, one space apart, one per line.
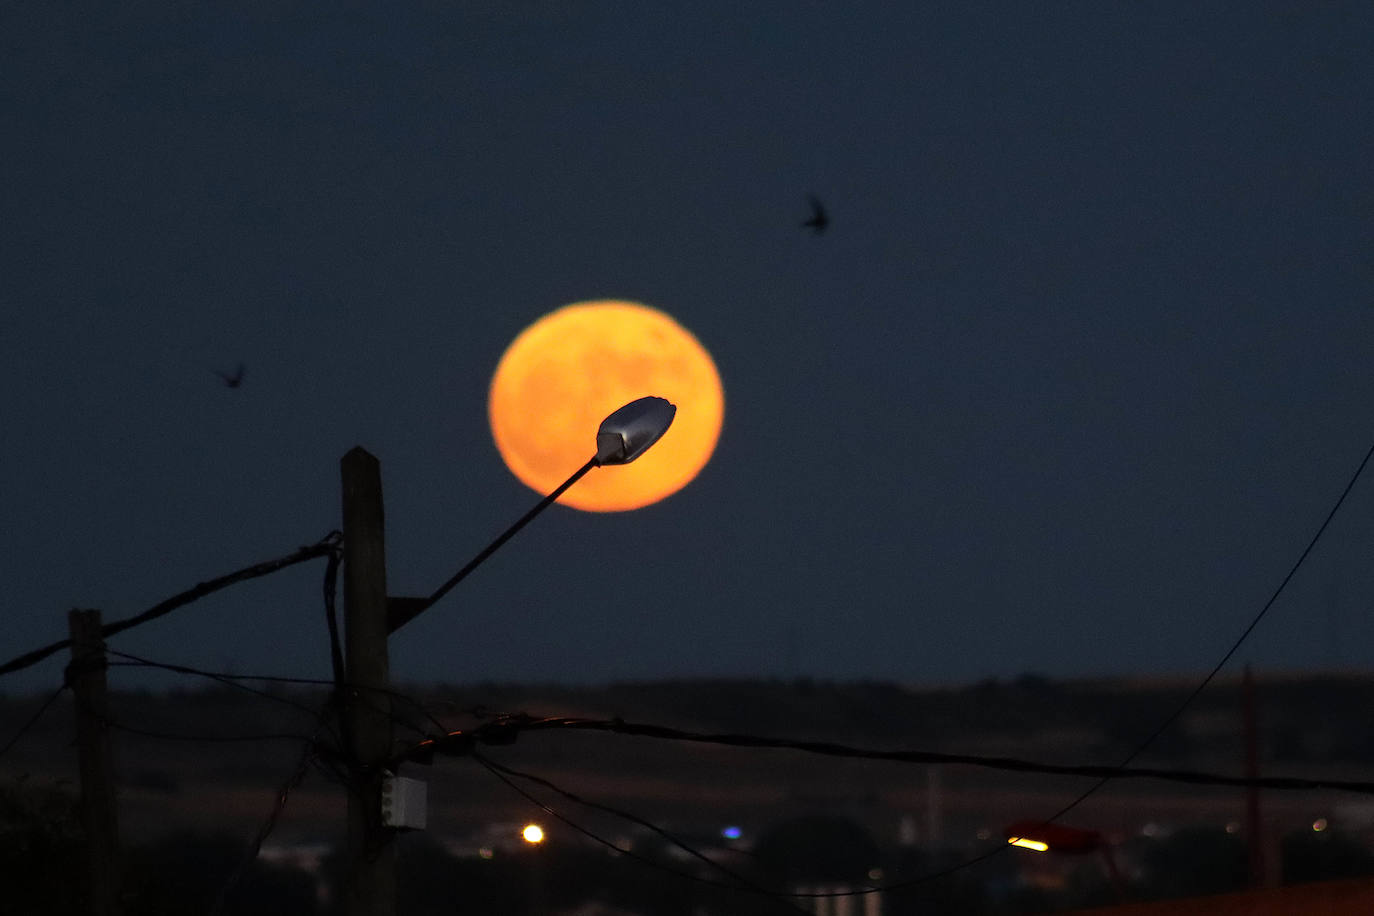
569 370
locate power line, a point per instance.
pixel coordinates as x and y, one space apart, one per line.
325 546
741 883
331 587
225 679
175 736
1122 768
747 885
231 680
1211 675
1302 557
32 720
507 728
269 823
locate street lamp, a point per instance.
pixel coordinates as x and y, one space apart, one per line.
622 437
371 615
1045 837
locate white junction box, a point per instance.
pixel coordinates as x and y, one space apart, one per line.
404 802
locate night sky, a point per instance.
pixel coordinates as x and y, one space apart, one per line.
1076 372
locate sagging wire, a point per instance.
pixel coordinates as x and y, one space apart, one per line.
1104 775
174 736
1274 597
326 545
331 616
336 655
33 719
739 882
227 680
336 658
230 679
506 729
1211 675
309 752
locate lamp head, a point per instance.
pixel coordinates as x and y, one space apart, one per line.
628 433
1041 836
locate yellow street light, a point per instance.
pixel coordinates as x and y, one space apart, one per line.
1024 843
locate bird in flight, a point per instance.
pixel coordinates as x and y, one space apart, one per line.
231 381
819 219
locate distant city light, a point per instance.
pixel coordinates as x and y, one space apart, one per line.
1319 824
732 832
486 852
532 834
1024 843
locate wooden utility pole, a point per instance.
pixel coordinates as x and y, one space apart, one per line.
369 883
99 816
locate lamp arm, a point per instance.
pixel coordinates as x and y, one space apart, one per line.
413 611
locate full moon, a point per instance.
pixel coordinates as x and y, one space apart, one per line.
569 370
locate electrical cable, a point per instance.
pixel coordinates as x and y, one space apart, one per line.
32 720
173 736
465 743
1121 769
331 582
136 662
231 679
225 679
504 731
325 546
857 892
329 546
336 655
419 606
1211 675
740 882
308 752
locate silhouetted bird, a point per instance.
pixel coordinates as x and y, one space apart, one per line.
819 220
231 381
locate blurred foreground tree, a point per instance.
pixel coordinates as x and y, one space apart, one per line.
42 850
184 874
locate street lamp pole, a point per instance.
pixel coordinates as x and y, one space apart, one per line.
370 616
622 437
403 610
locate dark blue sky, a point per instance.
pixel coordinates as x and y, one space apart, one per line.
1079 368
